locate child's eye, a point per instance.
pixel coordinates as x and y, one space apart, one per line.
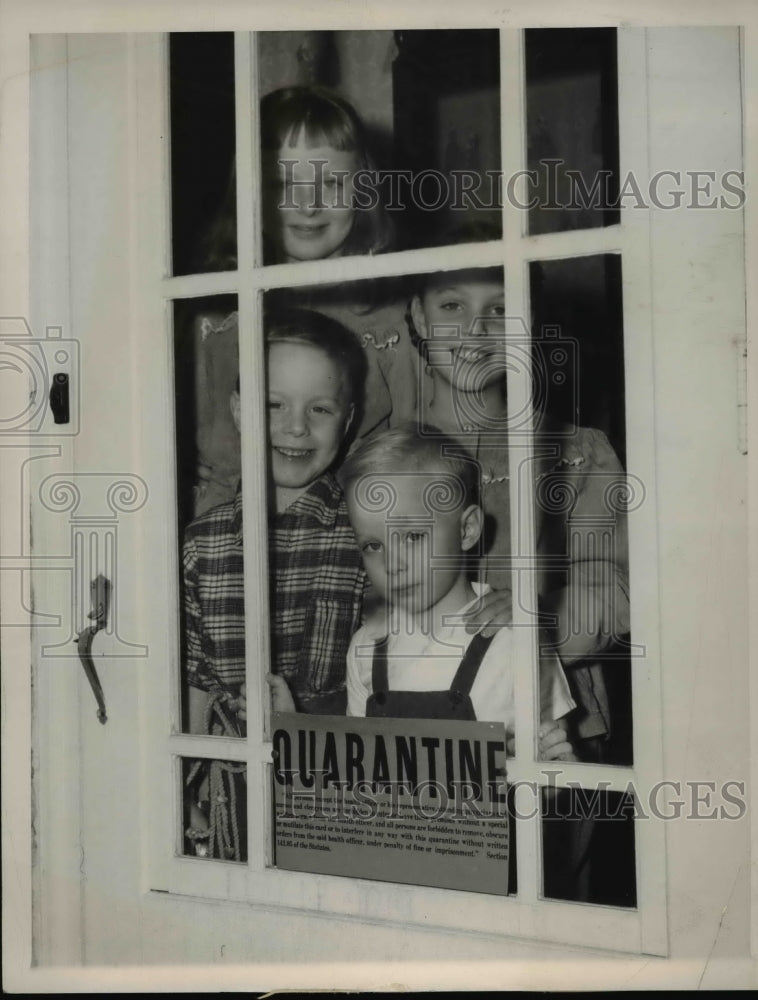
274 404
322 410
371 547
497 310
450 306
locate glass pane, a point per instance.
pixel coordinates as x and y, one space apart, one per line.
447 121
433 357
431 352
582 495
572 128
203 194
214 815
401 148
209 528
588 846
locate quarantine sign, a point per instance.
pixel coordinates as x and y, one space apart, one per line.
422 802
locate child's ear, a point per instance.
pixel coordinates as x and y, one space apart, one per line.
418 317
234 406
472 523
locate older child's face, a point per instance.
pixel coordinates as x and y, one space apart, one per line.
309 213
410 556
463 321
309 412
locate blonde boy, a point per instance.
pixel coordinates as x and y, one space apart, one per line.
413 502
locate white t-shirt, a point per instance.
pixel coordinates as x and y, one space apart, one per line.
420 662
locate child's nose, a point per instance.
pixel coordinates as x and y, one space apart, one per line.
479 326
490 326
297 424
308 201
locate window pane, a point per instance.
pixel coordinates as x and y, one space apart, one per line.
588 846
458 324
435 350
209 535
447 120
572 128
402 126
581 492
214 815
203 195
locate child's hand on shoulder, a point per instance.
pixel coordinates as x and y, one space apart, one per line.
491 612
554 743
374 611
281 697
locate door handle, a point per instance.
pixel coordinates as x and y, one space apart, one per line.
100 593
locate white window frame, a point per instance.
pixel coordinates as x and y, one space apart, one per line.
642 929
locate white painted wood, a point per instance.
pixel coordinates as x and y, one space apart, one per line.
520 455
57 682
636 122
698 295
254 435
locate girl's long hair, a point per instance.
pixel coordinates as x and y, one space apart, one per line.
325 119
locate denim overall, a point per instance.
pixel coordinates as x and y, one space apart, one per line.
455 703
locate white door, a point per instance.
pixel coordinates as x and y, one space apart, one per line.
110 884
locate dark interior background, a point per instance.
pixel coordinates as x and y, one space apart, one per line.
571 118
430 101
202 140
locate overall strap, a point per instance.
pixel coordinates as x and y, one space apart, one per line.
466 673
379 670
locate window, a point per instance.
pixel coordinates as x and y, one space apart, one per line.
569 277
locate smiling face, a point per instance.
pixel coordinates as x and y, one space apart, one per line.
309 413
409 554
307 208
462 320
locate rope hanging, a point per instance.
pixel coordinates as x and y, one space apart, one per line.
222 834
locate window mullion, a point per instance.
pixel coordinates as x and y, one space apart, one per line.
520 447
187 286
339 269
573 243
557 774
253 432
210 747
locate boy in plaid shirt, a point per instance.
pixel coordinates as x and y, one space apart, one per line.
316 376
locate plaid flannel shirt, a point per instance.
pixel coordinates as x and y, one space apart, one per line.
316 587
